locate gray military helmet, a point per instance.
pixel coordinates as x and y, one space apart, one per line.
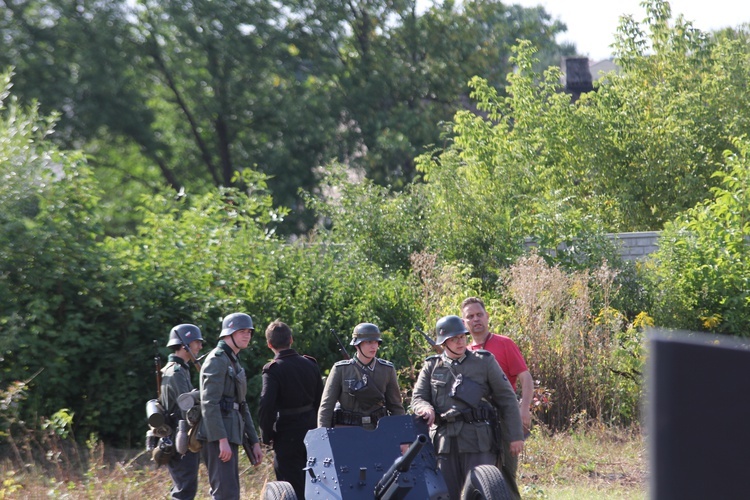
184 334
365 331
234 322
449 326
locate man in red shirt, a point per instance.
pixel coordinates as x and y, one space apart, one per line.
505 351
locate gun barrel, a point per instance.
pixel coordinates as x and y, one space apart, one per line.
157 369
437 348
401 465
342 348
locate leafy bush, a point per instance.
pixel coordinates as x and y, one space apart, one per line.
700 274
383 226
56 284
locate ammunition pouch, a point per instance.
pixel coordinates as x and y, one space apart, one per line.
344 417
466 390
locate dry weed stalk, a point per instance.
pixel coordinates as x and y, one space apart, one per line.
564 324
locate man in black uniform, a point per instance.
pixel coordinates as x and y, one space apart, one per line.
289 402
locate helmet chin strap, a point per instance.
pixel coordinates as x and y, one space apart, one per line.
445 346
236 349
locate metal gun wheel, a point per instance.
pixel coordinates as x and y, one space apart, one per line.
279 490
485 482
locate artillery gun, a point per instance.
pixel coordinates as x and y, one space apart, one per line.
350 463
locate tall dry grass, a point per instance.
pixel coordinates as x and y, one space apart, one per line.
581 463
583 353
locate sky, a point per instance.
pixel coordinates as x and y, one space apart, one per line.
592 23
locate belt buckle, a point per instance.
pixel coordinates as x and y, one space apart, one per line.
235 406
366 420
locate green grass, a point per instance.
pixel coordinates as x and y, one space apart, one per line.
595 463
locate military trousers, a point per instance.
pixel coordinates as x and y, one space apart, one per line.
455 466
508 464
184 473
224 477
290 458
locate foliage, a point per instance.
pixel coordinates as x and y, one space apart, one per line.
382 226
185 94
527 167
56 290
497 184
700 274
628 157
87 307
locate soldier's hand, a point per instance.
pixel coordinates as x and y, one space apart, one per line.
516 447
257 454
426 413
225 451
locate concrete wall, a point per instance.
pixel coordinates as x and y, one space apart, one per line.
635 246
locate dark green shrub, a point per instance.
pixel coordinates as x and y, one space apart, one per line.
699 277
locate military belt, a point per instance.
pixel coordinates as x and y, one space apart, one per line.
228 404
344 417
294 411
468 415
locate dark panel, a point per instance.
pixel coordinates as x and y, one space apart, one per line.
698 416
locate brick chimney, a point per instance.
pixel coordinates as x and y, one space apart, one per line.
577 76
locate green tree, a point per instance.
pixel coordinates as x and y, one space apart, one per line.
627 157
700 274
498 183
402 73
187 93
56 293
383 226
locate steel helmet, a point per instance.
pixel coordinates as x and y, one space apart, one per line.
365 331
449 326
234 322
184 334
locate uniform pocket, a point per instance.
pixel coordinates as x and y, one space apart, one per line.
485 436
438 383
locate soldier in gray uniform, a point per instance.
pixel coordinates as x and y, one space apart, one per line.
462 394
225 415
186 342
365 387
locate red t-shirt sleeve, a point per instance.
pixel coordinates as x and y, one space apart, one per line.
508 356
